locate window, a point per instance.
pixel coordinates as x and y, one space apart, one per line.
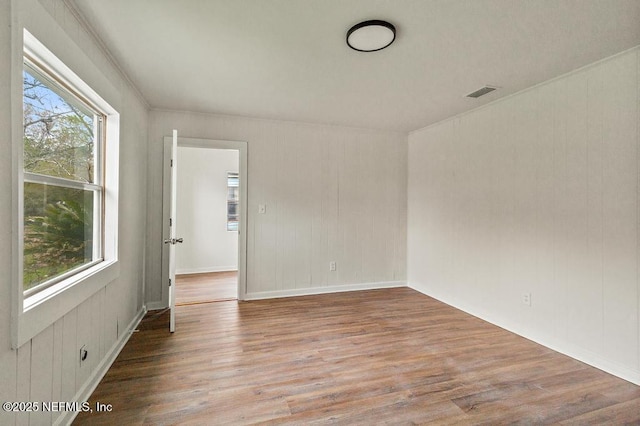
67 225
232 201
66 188
63 192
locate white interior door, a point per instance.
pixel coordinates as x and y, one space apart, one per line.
173 239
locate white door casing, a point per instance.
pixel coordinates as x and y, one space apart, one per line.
169 214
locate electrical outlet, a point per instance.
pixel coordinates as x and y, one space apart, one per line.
332 266
526 299
84 354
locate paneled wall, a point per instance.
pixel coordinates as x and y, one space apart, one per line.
8 358
47 367
538 194
331 194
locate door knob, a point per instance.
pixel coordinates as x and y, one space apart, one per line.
173 241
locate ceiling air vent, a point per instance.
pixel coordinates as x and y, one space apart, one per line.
482 91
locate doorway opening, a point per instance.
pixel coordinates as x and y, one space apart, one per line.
207 220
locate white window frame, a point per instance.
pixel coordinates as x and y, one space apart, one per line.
33 313
96 187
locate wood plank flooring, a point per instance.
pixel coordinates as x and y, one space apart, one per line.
391 356
207 287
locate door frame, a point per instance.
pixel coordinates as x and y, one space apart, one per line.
242 149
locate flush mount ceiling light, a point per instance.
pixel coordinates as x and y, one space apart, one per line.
371 36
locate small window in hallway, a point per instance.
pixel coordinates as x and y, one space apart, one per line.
232 201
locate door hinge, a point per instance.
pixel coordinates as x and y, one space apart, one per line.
172 162
170 222
169 282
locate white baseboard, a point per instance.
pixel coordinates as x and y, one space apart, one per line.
322 290
84 393
563 347
206 270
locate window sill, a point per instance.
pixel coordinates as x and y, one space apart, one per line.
46 307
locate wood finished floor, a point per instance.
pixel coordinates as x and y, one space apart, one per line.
207 287
391 356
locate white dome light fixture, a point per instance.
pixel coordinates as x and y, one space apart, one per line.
371 36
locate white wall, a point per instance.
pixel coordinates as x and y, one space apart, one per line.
8 358
202 211
332 194
538 193
47 368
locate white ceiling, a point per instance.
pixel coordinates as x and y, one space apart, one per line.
288 60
